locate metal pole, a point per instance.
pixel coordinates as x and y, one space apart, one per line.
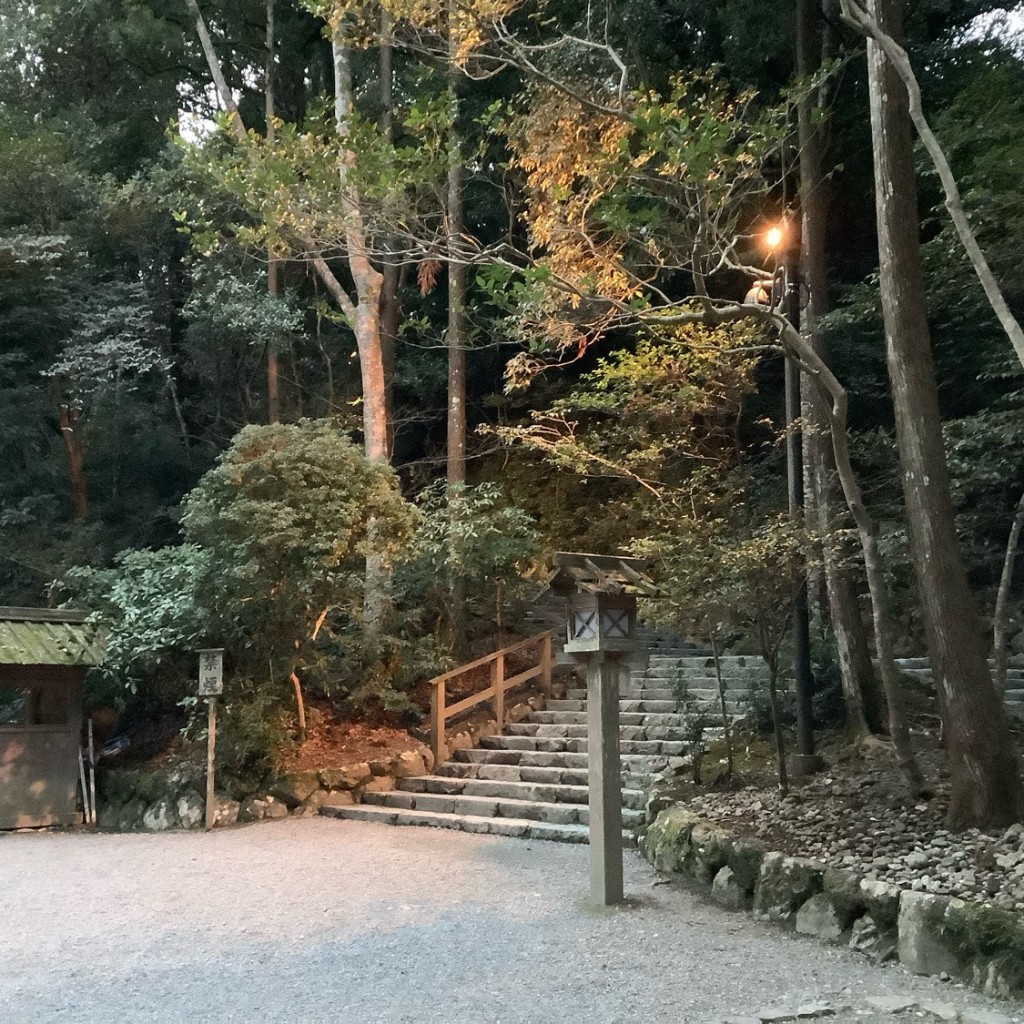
604 779
805 760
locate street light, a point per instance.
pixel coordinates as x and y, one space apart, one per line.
783 240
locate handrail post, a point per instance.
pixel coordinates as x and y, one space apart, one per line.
437 723
546 659
498 682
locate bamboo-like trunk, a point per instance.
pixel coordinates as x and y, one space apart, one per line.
300 704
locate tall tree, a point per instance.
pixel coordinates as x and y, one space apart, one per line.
815 43
986 782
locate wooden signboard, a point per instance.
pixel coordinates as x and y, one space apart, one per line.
211 672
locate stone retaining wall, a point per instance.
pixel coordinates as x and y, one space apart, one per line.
928 934
158 801
155 802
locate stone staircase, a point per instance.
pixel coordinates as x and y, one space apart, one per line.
531 781
921 668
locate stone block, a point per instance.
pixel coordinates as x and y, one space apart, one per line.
252 808
784 885
745 857
922 945
707 853
160 816
295 788
408 765
342 798
225 812
276 808
727 891
191 810
819 917
379 784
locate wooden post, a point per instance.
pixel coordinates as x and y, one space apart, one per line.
546 660
211 749
498 682
604 778
437 743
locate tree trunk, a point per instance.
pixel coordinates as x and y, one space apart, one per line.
726 721
300 705
273 284
456 337
860 686
390 310
986 783
1003 600
69 420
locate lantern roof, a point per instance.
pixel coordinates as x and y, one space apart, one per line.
581 573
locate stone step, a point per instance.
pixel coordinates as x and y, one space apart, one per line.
638 782
625 718
630 733
524 828
563 813
512 790
667 695
640 764
557 744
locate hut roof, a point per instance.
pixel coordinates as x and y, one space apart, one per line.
46 636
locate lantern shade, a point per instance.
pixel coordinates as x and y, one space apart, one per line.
601 622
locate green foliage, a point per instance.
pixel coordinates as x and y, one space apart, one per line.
287 520
475 535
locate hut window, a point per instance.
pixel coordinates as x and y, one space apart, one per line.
14 706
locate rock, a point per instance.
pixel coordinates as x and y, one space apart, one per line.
225 812
252 808
706 854
160 817
295 788
727 891
343 799
130 816
667 841
982 1016
818 917
776 1016
276 808
944 1011
864 937
408 765
882 901
109 816
353 775
891 1004
744 856
380 767
922 946
814 1011
191 809
316 801
784 885
380 784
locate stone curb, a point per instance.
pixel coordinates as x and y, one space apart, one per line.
929 934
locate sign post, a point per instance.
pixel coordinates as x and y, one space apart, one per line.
211 686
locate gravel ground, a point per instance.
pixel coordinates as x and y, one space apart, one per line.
316 920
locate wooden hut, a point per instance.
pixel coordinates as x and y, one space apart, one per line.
43 658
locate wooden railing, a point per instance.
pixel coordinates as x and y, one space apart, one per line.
441 712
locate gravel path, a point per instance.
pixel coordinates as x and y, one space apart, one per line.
316 920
